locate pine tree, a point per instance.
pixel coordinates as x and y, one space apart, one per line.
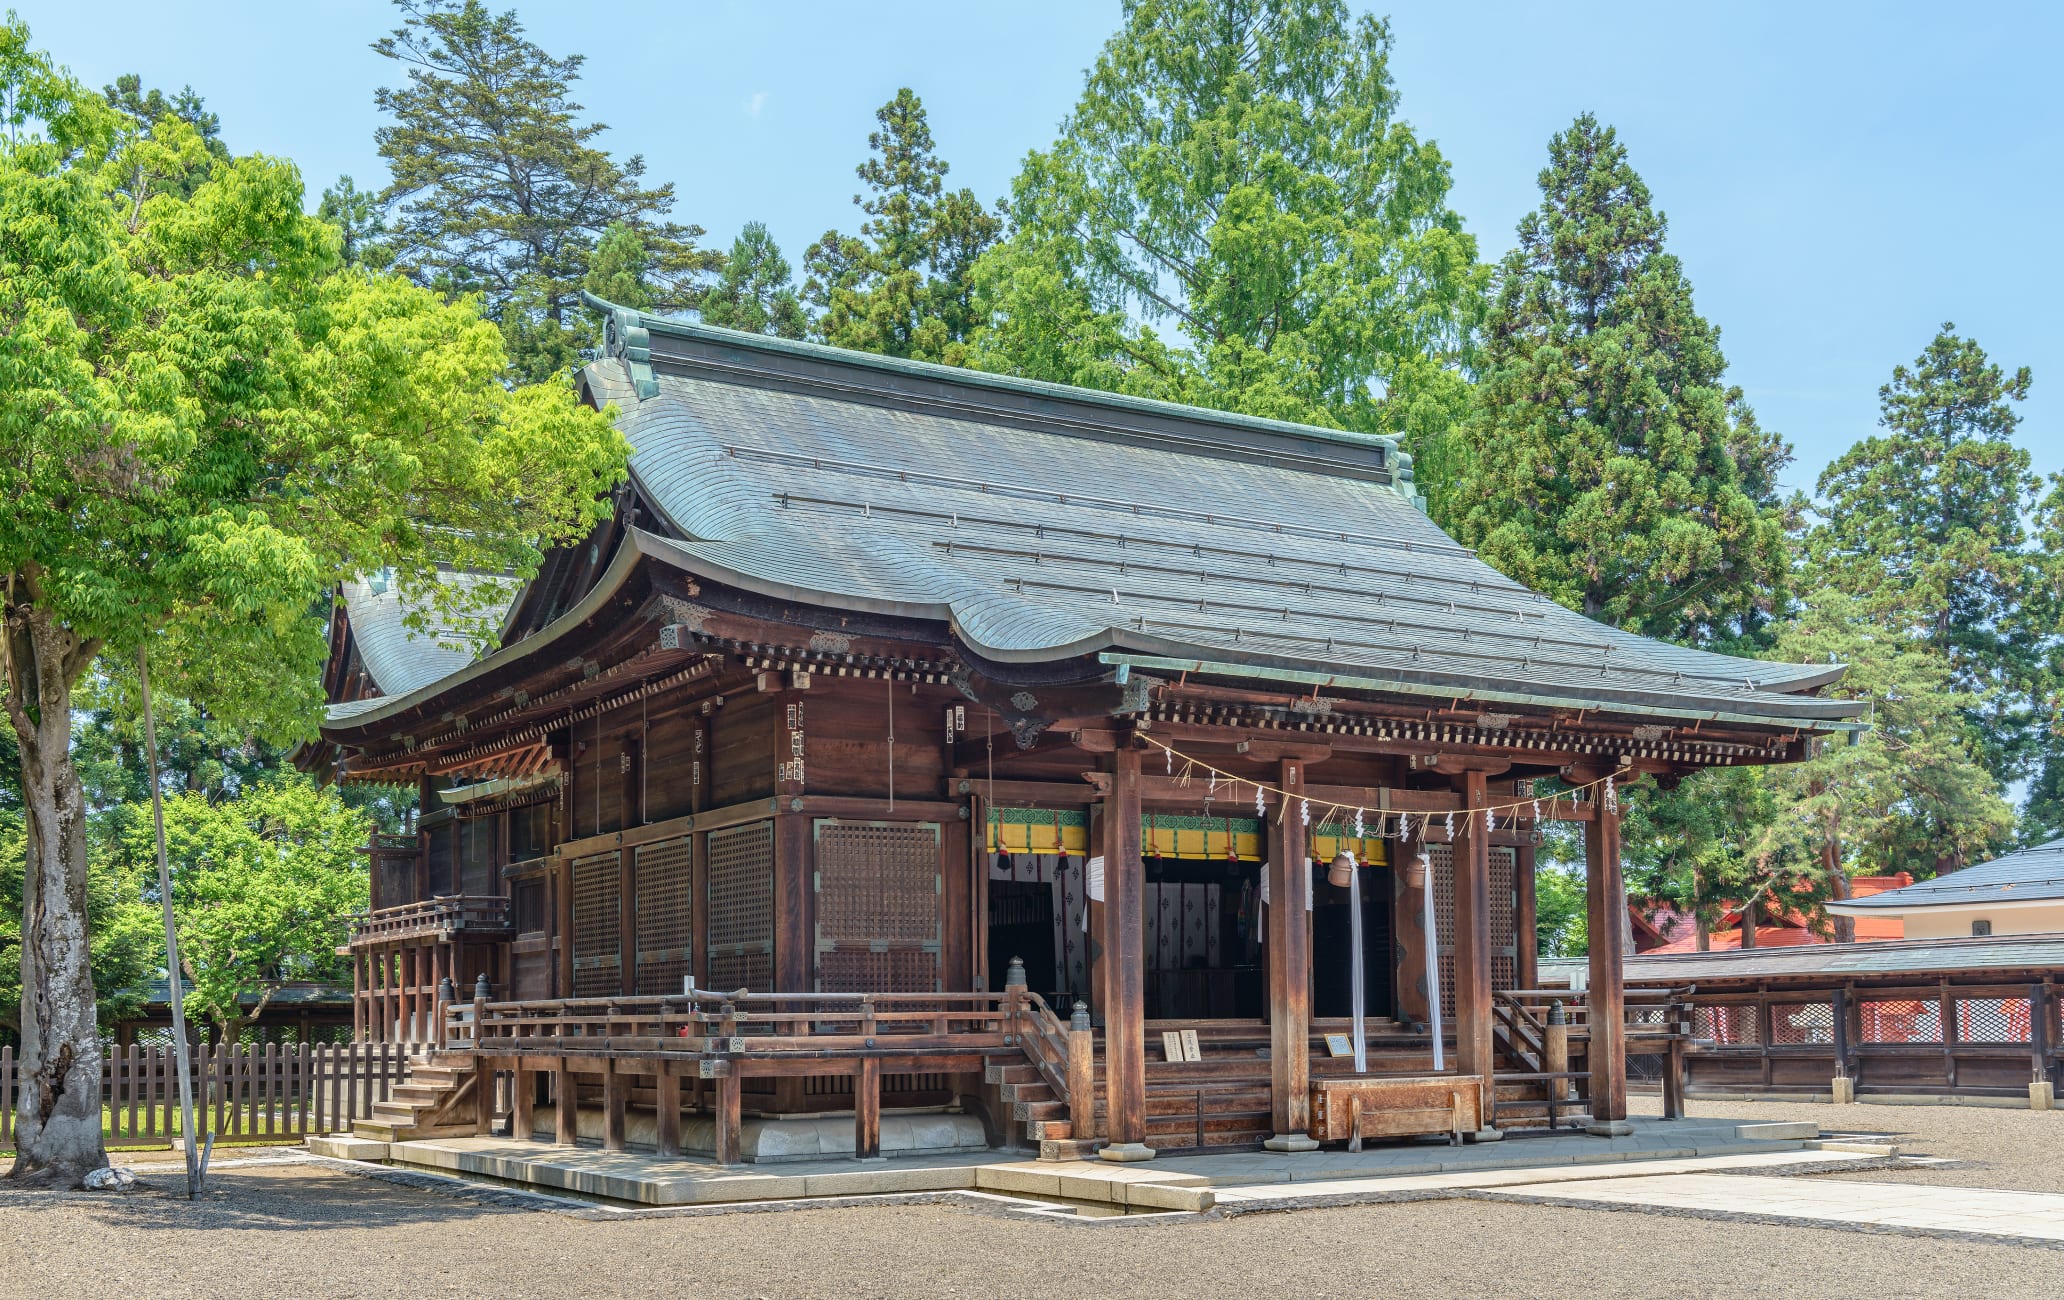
498 187
147 109
1236 215
753 292
903 286
1607 464
1925 522
355 215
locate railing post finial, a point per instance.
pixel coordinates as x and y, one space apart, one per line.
1079 1017
1014 974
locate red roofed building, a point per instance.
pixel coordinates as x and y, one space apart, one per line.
1662 928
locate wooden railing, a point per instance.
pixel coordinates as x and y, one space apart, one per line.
1546 1032
1065 1056
436 918
732 1024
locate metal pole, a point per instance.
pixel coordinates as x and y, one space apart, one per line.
196 1169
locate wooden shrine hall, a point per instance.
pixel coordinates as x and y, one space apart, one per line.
989 760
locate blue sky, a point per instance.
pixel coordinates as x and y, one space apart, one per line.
1840 178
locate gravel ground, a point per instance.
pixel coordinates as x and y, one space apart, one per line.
298 1230
2020 1150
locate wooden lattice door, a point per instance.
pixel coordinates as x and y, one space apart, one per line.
597 925
739 930
878 886
661 885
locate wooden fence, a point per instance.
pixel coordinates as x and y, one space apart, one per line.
241 1093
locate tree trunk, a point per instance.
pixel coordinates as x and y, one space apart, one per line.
58 1134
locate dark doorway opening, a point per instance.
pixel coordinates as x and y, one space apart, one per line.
1203 940
1021 924
1333 946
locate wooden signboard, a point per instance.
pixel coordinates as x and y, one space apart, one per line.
1180 1045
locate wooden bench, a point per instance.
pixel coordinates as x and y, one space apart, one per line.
1353 1109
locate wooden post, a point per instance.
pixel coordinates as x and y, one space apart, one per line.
1407 909
867 1109
1289 970
1605 899
1526 921
728 1120
358 998
522 1102
565 1106
1475 1048
667 1111
1081 1084
1125 1021
615 1099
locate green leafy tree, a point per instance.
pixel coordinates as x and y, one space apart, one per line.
147 108
498 187
207 425
361 230
753 292
1561 923
1236 216
1926 523
1607 464
260 884
904 285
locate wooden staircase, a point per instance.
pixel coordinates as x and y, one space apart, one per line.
1219 1103
437 1101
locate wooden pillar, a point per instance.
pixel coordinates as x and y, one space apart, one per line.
728 1118
1099 847
1289 970
867 1109
522 1102
1475 1048
1526 918
562 886
667 1112
1408 924
1125 1019
412 992
565 1106
956 907
794 931
358 997
1605 900
616 1088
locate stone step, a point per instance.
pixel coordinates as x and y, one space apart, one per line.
1046 1130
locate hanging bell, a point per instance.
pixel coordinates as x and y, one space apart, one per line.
1415 872
1341 874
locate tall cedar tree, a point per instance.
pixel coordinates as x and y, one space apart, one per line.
1926 522
1236 173
207 426
499 189
904 285
1607 465
753 292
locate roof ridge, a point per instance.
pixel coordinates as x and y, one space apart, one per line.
629 337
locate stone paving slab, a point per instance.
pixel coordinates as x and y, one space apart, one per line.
1964 1212
1298 1194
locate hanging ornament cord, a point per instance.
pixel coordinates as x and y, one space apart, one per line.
1433 992
1354 908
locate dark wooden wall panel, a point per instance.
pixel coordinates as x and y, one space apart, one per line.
745 733
669 774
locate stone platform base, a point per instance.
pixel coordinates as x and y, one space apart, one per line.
798 1137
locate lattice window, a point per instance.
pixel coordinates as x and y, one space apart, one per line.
877 907
740 928
1803 1022
1726 1024
666 946
1902 1020
597 926
1992 1020
1504 908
